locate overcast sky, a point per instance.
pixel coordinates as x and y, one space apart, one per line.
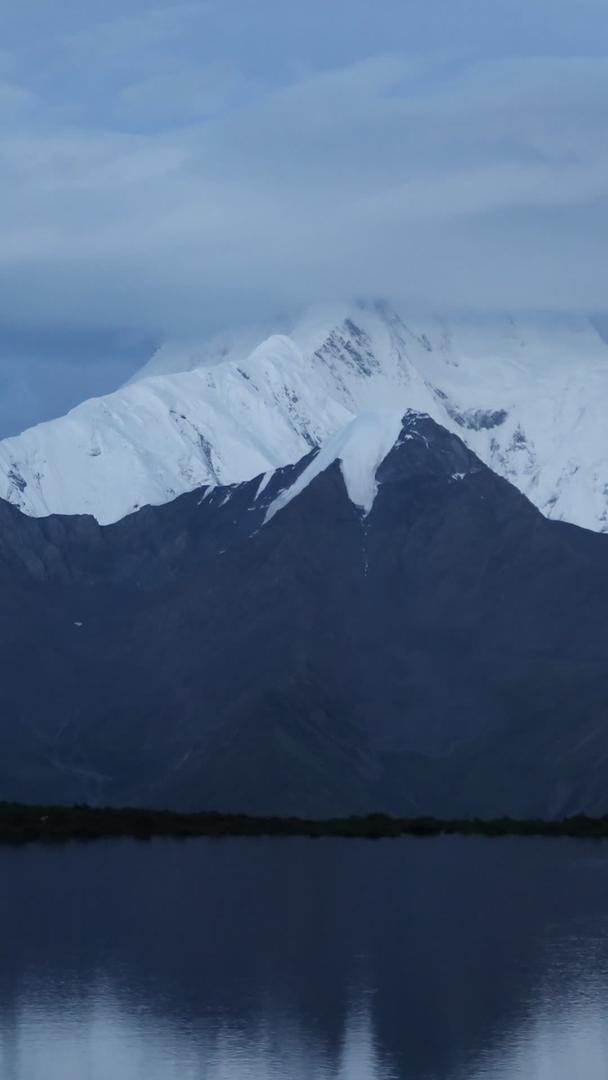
168 169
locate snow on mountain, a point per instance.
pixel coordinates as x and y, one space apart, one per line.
360 447
529 396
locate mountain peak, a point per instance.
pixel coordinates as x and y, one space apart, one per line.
360 447
364 444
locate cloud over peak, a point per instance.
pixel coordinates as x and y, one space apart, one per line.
164 168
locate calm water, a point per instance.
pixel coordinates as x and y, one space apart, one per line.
451 959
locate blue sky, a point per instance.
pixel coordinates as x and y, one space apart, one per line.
166 169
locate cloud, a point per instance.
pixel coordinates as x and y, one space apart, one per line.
292 187
15 100
168 168
176 94
44 373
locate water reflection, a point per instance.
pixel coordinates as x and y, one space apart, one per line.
109 1039
569 1046
428 960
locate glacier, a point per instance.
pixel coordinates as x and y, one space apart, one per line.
528 394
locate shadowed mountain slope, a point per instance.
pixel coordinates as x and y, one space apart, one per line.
237 649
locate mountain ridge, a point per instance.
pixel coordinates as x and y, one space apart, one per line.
529 399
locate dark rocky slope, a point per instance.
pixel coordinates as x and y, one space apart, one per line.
446 654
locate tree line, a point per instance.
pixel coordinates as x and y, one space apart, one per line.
21 823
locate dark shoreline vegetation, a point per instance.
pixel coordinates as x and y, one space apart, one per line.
21 824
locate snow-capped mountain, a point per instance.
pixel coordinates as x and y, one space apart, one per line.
384 625
528 396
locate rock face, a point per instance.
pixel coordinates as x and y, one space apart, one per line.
529 397
273 646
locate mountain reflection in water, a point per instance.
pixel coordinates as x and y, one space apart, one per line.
442 959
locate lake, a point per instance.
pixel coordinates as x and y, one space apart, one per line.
448 958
